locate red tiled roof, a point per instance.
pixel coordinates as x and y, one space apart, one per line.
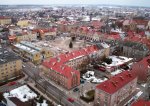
3 17
12 37
97 24
141 102
116 82
115 36
58 63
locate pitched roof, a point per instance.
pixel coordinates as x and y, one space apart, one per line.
116 82
3 17
141 102
58 63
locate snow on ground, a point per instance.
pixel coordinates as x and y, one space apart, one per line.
117 60
42 104
23 93
144 85
89 76
116 72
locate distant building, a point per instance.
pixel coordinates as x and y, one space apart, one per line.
116 90
10 65
142 69
23 23
5 20
26 36
46 33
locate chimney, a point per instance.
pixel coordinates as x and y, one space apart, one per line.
58 59
63 67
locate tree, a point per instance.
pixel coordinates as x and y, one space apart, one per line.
108 60
70 45
73 38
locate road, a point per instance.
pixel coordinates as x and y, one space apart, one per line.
32 72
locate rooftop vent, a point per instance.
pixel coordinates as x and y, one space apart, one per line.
130 75
53 63
63 67
114 83
121 78
105 86
58 59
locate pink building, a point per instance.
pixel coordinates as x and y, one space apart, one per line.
141 102
142 69
115 90
63 68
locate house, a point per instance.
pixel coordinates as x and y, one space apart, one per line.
116 90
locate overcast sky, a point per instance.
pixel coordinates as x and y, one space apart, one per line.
109 2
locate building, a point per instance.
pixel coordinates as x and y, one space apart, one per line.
46 33
45 53
135 50
141 102
21 96
5 20
63 69
142 69
23 23
32 52
24 36
10 65
116 90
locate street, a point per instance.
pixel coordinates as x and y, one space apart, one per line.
32 72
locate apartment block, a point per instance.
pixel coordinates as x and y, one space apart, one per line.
10 65
116 90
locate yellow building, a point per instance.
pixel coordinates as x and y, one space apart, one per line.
5 20
26 37
45 53
23 23
28 53
32 52
10 65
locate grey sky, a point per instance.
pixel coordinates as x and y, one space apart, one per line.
47 2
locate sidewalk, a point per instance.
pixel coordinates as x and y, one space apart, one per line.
44 95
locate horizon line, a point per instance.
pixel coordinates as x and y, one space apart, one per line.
79 4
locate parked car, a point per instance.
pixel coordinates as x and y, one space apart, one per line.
76 89
70 99
82 81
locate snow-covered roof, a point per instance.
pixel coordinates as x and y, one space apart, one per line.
23 93
25 48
